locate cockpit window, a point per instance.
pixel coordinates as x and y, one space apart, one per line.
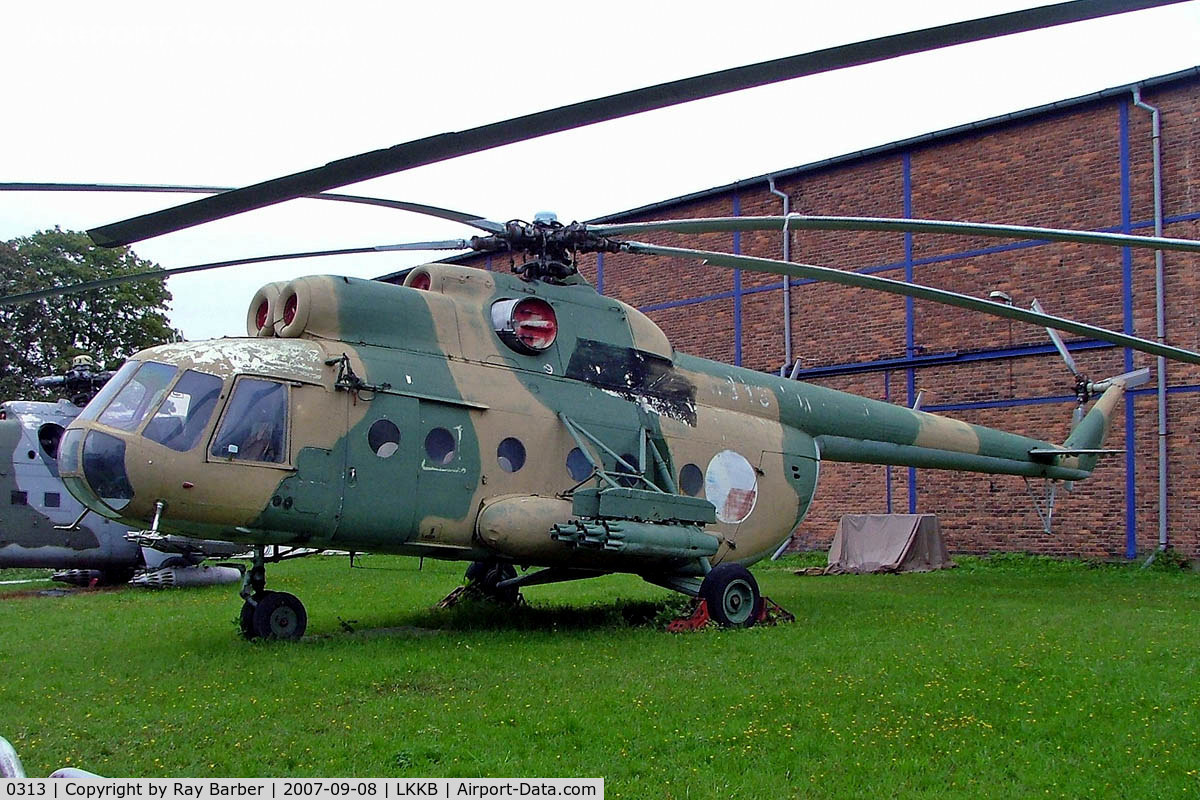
114 385
255 426
184 412
135 399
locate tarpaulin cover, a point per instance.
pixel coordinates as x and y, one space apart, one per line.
888 543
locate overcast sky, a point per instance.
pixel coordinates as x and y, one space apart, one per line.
231 93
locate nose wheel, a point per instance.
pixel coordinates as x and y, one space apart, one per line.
269 615
273 615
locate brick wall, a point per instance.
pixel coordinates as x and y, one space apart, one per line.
1087 166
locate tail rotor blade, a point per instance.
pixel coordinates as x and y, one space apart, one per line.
1059 344
1076 416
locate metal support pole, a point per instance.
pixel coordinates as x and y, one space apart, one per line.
1160 314
787 285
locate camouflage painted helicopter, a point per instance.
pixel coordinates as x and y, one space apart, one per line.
526 419
42 525
38 503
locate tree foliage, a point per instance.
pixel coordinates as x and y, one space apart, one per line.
41 337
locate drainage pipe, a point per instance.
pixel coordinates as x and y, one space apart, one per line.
1160 316
787 283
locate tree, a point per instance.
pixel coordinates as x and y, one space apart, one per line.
42 336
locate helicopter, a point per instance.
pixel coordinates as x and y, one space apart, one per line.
44 526
37 503
525 419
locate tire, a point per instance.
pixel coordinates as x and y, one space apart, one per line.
477 571
279 615
509 595
246 621
484 575
732 596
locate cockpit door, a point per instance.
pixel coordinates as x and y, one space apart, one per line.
308 500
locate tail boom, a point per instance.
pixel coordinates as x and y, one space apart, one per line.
936 442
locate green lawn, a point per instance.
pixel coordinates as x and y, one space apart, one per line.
1013 678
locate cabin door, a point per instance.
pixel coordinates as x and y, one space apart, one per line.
382 447
447 473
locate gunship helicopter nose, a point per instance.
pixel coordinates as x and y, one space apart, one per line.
92 463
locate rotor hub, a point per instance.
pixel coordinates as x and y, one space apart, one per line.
553 248
1083 389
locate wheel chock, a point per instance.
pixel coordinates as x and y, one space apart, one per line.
694 621
769 613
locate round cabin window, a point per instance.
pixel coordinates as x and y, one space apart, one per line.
731 485
511 454
440 446
578 466
691 480
383 438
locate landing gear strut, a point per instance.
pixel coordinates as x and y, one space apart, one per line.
269 615
482 581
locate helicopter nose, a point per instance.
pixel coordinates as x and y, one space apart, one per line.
95 473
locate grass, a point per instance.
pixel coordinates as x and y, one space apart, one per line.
41 576
1013 677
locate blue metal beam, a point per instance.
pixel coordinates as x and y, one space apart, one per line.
737 286
910 337
887 470
1127 304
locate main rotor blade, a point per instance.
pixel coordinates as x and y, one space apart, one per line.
116 280
449 145
18 186
858 279
796 222
473 220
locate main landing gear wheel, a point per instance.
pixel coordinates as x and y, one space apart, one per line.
481 580
273 615
732 596
483 577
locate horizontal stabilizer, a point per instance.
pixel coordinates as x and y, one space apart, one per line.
1130 380
1076 451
